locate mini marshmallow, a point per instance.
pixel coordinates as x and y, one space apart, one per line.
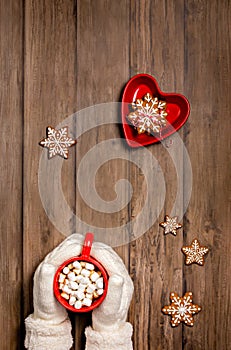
85 280
95 295
66 270
73 285
89 296
80 295
83 263
66 289
77 265
78 304
79 278
81 287
72 300
61 285
70 266
94 276
87 302
65 296
99 291
85 273
89 266
71 276
77 271
62 277
99 283
90 288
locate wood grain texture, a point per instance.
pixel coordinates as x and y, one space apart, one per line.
60 56
207 80
156 264
103 69
11 111
50 96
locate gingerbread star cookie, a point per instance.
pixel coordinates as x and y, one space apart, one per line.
181 309
57 142
149 114
170 225
195 253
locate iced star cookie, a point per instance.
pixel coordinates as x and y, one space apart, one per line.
181 309
195 253
170 225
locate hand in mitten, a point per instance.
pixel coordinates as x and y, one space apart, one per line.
49 326
109 327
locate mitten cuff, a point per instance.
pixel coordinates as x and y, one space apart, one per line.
109 340
41 335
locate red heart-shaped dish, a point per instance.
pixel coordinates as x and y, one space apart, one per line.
177 108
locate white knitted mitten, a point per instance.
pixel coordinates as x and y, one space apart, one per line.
109 329
49 327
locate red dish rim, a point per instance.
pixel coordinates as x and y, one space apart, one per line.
133 142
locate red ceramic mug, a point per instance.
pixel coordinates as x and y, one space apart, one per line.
83 257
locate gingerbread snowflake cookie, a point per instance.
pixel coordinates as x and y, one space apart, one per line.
195 253
148 115
181 309
57 142
170 225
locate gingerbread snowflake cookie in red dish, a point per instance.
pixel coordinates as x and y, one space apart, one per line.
148 115
181 309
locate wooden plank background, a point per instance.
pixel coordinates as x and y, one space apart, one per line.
59 56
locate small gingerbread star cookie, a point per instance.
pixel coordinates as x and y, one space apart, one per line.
170 225
181 309
195 253
57 142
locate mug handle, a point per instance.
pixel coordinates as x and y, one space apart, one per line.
87 245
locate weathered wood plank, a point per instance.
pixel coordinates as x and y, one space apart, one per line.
11 111
207 82
103 69
157 48
50 96
72 63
